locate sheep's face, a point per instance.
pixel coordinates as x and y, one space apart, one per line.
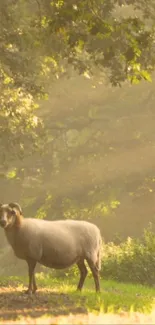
7 216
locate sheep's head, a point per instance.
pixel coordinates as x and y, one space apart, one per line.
10 214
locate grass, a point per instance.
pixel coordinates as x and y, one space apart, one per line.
57 302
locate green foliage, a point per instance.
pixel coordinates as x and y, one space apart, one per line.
131 261
39 41
96 35
81 33
22 73
20 128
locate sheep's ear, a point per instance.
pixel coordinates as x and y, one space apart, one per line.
15 206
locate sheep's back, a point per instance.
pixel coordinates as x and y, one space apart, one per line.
77 236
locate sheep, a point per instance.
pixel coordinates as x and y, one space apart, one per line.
55 244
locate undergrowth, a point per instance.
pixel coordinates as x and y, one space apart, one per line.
131 261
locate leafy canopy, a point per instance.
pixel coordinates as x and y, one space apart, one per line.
40 39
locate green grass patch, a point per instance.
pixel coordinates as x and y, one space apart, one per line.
114 297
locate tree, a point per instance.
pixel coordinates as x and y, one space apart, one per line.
19 82
36 37
40 39
97 34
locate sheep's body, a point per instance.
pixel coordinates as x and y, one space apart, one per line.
55 244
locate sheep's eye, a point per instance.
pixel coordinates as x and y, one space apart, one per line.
10 213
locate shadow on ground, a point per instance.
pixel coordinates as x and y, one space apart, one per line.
14 303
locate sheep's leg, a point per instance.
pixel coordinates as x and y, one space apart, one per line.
95 272
32 284
83 274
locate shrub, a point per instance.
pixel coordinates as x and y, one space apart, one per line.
131 261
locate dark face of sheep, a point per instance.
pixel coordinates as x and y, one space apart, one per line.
7 216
